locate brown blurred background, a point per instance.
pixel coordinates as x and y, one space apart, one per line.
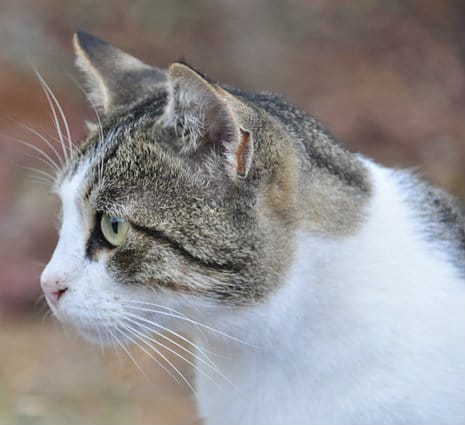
386 77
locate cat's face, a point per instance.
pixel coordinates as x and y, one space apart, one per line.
165 204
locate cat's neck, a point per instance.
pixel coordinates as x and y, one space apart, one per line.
345 302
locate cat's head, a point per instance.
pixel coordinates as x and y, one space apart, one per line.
181 194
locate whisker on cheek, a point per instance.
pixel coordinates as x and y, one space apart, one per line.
186 319
127 330
121 344
175 334
196 367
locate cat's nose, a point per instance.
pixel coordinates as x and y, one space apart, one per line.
53 287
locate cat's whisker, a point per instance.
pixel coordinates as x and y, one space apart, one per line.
37 158
100 128
177 335
199 329
38 171
194 322
54 116
114 345
129 329
214 368
100 340
46 315
74 148
41 306
40 182
100 160
145 339
100 164
117 340
42 173
132 301
91 103
67 328
99 123
44 155
170 309
44 139
48 90
176 314
188 300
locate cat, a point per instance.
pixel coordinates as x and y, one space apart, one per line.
317 286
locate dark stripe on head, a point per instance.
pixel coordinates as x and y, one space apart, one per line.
159 235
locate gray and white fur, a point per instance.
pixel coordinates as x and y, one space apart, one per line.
331 288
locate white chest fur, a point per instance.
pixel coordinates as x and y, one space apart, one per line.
368 329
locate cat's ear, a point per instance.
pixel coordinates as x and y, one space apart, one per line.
204 116
115 78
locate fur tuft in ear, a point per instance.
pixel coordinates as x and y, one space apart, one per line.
203 115
115 78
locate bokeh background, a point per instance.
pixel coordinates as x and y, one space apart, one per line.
387 77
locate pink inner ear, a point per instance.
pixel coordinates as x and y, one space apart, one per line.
245 135
218 135
221 130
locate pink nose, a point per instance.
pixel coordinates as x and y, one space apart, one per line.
53 289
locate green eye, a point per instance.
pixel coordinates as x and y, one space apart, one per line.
114 229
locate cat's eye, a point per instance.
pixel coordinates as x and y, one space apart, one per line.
114 229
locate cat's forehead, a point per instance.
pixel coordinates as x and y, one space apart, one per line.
123 169
117 130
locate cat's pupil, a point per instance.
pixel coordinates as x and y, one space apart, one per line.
114 222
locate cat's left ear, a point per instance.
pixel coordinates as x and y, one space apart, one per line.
204 115
115 78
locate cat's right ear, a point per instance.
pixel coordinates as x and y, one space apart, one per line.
115 78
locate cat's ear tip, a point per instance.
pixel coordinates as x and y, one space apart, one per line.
179 69
83 37
79 35
86 42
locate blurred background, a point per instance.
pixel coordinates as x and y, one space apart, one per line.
387 77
